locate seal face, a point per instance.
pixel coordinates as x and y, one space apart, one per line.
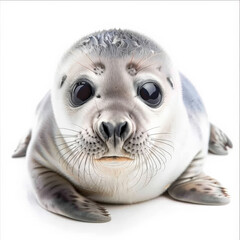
120 125
116 111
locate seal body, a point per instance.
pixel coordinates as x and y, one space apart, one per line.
120 125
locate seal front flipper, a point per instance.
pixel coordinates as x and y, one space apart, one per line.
57 195
21 149
218 141
198 188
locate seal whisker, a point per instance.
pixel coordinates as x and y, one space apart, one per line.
89 58
67 146
157 133
65 143
64 136
69 130
147 58
75 156
163 140
59 151
70 149
73 160
87 164
156 151
79 126
142 160
135 168
131 162
80 63
158 147
160 141
68 160
145 162
152 128
148 170
138 163
162 149
83 161
151 173
155 128
157 158
142 59
141 165
84 168
147 157
80 163
77 159
138 63
91 163
145 67
161 155
155 163
89 169
131 59
95 168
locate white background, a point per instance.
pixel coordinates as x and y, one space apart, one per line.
201 37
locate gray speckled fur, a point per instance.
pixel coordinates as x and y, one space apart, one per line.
116 43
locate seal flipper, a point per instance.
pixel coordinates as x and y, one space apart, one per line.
218 141
57 195
198 188
21 149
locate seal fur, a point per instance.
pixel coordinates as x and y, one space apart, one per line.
75 159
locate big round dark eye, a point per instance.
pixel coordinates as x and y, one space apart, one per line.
81 92
151 94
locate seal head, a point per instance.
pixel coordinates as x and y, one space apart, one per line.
116 88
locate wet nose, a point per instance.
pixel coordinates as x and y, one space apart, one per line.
119 130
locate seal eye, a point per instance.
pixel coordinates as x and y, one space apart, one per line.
151 94
82 91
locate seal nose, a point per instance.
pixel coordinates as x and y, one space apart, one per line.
120 130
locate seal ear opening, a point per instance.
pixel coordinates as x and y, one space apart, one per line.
22 146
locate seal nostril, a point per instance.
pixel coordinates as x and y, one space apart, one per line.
121 129
106 129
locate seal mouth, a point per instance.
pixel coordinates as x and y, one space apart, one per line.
114 158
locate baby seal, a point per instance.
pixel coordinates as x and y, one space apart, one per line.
120 125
